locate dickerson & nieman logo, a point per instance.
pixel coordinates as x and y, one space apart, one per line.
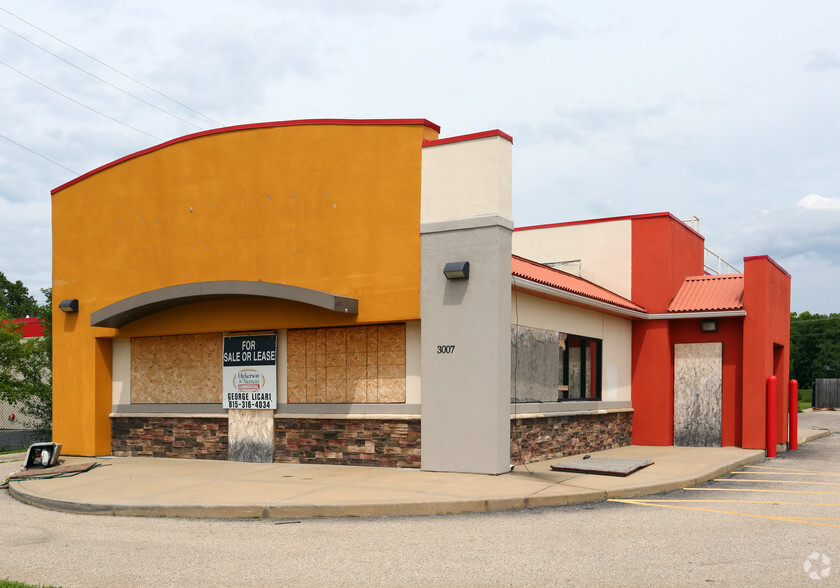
248 381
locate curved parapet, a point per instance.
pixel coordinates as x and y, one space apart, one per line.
130 309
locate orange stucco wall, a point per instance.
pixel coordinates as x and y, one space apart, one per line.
332 207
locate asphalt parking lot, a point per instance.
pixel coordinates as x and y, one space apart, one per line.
788 508
801 487
773 523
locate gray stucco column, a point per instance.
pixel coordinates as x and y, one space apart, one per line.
465 352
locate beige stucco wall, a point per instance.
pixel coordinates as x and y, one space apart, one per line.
412 362
604 250
615 332
480 168
465 330
121 370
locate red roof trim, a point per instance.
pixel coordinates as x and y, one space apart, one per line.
460 138
595 220
247 127
555 278
630 217
768 258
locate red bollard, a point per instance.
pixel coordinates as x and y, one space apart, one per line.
793 411
771 416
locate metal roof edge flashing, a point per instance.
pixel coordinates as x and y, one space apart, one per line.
697 314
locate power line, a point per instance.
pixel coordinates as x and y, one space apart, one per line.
79 103
100 79
813 320
38 154
89 56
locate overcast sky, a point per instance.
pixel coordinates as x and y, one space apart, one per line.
729 111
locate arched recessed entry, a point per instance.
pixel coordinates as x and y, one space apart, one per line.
130 309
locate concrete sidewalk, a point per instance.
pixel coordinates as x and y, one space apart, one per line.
139 486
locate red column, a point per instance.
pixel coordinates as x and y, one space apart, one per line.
770 425
793 412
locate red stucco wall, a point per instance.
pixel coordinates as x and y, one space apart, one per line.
729 334
767 324
665 251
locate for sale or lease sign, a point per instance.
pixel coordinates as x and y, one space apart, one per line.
249 371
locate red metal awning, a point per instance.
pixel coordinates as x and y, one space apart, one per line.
554 278
709 294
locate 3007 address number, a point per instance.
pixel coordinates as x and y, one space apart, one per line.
446 349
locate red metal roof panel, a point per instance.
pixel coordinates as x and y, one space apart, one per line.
542 274
709 293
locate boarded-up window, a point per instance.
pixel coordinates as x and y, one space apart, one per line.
346 364
176 369
549 366
698 401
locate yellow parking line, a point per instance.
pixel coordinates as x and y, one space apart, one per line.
743 514
791 470
744 502
760 490
778 481
783 473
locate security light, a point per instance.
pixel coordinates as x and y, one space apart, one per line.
71 305
708 326
457 270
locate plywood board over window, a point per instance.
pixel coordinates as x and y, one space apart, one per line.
550 366
698 401
346 364
176 369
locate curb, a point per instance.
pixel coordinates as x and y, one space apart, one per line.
814 434
685 482
580 495
444 507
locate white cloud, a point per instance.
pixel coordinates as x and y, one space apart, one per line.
615 109
817 202
820 61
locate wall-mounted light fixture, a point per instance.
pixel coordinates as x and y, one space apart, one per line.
708 326
71 305
457 270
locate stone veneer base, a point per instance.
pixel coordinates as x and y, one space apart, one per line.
358 441
540 438
195 438
372 442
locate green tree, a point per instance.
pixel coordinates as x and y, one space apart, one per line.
814 347
26 366
15 299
